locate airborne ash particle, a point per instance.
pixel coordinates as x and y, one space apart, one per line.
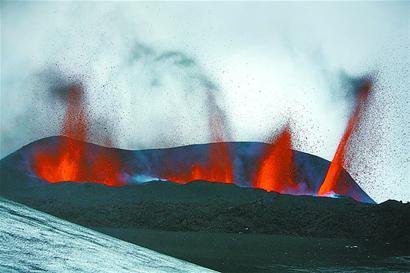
58 86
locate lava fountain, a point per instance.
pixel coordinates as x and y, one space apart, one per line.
276 167
71 160
333 184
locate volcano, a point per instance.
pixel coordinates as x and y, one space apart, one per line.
115 167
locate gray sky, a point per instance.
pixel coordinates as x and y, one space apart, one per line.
147 66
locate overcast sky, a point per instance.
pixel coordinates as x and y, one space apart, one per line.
147 66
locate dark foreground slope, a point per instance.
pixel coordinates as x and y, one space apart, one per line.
215 207
264 253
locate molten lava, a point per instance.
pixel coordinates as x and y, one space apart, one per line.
276 167
333 182
71 160
216 168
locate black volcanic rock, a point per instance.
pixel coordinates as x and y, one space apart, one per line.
216 207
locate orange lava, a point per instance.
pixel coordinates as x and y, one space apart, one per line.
71 161
332 183
216 169
276 167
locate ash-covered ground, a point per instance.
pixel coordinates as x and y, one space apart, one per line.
32 241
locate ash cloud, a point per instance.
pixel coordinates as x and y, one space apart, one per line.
56 85
351 85
180 84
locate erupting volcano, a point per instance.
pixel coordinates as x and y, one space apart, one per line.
272 167
74 161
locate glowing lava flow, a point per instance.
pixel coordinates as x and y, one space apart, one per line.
332 182
217 168
71 160
276 168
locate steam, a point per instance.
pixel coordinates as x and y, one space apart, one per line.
153 74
